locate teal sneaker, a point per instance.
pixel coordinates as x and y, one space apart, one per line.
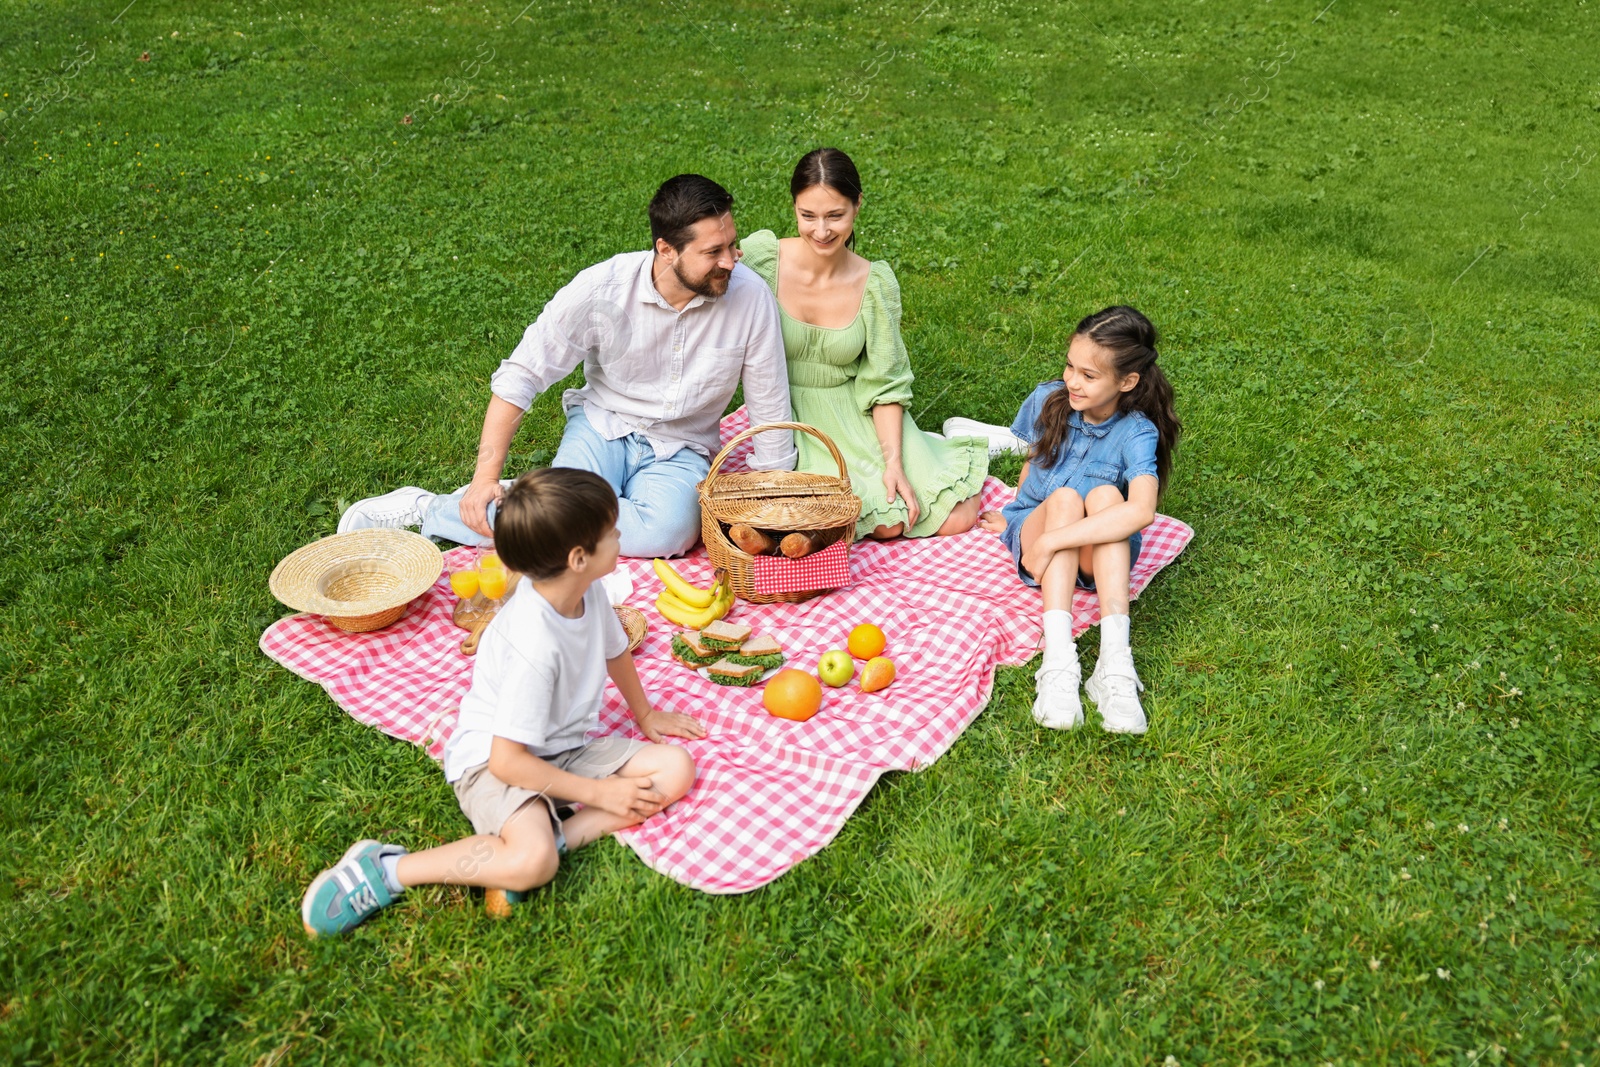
345 894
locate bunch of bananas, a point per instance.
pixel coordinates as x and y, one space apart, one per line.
688 605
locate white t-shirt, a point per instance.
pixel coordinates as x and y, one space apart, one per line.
538 679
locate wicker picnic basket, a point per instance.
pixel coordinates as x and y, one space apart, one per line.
772 500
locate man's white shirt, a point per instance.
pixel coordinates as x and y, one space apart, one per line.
652 369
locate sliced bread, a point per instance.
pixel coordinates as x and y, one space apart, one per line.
726 672
725 636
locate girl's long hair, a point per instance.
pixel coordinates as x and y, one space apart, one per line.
1131 340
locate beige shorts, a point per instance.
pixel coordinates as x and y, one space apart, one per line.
489 803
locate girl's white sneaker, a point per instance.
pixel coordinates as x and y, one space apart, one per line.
1057 705
1001 439
1114 687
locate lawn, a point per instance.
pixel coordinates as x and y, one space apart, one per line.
263 257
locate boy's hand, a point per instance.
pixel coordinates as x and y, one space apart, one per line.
659 724
993 521
631 798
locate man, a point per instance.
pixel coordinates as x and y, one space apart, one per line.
664 337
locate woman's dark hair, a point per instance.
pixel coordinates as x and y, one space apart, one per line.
1131 340
546 514
680 203
832 168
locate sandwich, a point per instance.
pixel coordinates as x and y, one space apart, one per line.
725 636
726 672
764 652
687 650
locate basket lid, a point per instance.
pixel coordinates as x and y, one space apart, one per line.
797 513
782 500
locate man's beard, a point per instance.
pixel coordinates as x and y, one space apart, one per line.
711 284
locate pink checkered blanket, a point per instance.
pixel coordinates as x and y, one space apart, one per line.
768 792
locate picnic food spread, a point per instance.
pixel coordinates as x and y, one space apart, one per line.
731 653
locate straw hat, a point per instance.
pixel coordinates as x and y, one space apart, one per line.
361 580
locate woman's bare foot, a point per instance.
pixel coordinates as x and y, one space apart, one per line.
963 517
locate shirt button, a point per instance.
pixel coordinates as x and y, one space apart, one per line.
677 348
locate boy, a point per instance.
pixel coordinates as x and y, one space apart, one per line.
520 742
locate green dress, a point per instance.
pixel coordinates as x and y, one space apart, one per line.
837 376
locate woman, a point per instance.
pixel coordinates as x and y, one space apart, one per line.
849 375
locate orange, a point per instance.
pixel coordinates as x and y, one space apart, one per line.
877 674
866 641
492 582
792 694
465 583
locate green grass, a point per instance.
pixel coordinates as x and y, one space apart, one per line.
239 290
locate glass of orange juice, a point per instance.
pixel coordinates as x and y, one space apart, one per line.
465 582
491 575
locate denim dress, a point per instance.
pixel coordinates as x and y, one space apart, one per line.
1113 452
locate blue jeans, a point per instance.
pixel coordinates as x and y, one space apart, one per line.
658 507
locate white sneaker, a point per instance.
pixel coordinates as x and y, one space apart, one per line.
1114 687
1057 705
393 511
1001 439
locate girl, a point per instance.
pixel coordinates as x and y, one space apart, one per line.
1101 448
849 374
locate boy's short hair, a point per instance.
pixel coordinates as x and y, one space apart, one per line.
546 514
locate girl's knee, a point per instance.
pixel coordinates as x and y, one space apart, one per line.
1064 503
1102 497
885 533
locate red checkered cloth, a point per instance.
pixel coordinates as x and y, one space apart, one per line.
828 569
768 792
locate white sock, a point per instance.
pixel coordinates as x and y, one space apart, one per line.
1058 645
1113 633
391 872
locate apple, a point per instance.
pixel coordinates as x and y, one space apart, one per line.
836 667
